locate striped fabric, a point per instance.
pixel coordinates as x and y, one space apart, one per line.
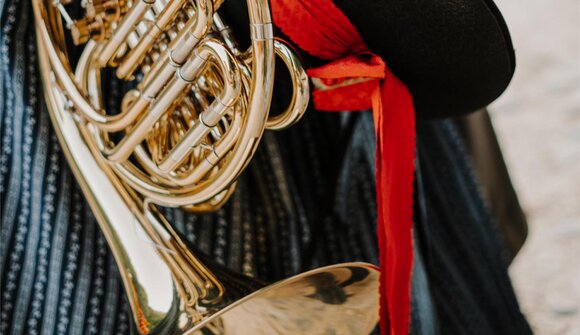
306 200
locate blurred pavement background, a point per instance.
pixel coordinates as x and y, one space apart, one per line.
538 125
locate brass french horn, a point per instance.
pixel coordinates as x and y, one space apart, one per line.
184 132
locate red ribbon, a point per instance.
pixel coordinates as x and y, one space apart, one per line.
356 79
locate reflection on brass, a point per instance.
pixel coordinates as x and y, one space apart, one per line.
86 29
184 132
100 14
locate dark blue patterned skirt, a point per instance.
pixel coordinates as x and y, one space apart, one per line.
306 200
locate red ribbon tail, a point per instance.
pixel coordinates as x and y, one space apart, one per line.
395 130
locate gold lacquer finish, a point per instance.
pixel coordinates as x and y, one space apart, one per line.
184 132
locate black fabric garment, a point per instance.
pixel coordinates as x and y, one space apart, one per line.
490 169
307 199
454 56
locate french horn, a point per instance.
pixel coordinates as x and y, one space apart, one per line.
189 122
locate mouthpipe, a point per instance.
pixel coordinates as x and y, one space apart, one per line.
141 266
